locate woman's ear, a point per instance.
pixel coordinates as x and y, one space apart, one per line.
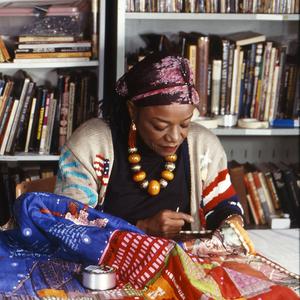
131 109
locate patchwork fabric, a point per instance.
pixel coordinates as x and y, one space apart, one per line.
56 237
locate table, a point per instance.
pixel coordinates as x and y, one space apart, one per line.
282 246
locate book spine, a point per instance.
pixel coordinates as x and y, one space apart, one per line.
3 50
63 125
45 125
257 81
30 124
216 86
52 50
201 79
249 181
9 126
5 119
251 76
224 75
229 78
238 86
23 123
252 209
261 195
234 79
270 84
71 109
265 81
41 117
14 129
53 55
267 193
51 124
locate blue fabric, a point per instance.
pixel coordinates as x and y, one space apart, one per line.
53 233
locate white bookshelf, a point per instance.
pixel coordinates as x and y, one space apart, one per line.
48 65
47 71
256 132
212 16
28 157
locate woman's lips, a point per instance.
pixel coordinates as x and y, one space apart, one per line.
168 149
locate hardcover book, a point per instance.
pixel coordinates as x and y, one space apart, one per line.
246 37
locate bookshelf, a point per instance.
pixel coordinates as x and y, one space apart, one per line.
252 145
47 72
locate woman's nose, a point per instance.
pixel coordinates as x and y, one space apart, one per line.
173 136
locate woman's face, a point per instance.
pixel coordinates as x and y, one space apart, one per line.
163 127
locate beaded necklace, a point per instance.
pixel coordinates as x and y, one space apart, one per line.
153 186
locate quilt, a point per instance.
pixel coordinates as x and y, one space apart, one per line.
55 237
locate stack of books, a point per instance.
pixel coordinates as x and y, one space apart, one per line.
52 49
268 192
40 119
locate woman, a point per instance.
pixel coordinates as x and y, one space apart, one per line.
146 162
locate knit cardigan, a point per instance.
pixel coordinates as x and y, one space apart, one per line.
87 158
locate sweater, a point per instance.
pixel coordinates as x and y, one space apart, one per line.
87 158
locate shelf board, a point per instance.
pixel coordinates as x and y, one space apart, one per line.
216 17
44 65
256 132
29 157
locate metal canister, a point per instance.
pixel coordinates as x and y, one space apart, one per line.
101 277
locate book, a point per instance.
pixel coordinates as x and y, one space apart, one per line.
246 37
30 124
253 210
24 118
224 75
71 104
261 195
9 126
21 87
63 122
282 221
216 86
42 39
269 181
58 96
293 192
45 122
284 123
237 172
53 50
41 118
49 136
4 51
53 55
33 141
77 44
201 72
51 60
282 190
253 193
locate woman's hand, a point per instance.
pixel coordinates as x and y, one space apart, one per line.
164 223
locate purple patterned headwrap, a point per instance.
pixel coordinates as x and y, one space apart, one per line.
159 80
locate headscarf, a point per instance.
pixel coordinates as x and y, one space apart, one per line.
159 79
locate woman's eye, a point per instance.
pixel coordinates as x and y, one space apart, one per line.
160 128
184 125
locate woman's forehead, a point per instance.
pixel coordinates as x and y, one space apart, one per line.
173 111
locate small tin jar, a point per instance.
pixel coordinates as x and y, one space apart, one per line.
101 277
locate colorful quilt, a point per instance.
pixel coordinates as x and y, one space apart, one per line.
56 237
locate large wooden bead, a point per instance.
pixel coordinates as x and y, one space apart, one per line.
134 158
168 175
153 187
139 176
171 158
